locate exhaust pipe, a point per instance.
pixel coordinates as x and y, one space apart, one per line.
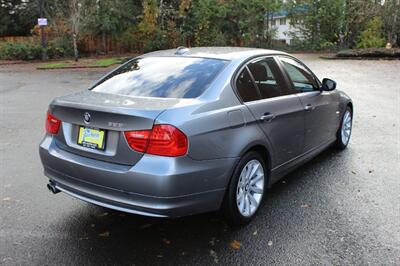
51 186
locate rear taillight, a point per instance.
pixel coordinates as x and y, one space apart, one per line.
138 140
167 140
52 124
164 140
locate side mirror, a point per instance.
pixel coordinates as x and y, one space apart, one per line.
328 85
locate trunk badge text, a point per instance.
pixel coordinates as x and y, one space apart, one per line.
114 124
86 118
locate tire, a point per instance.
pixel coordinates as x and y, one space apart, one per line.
243 199
345 129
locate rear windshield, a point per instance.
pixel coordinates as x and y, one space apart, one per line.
165 77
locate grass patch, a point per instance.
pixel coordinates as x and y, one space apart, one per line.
54 65
83 63
105 62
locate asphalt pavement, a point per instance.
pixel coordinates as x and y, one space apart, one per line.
342 208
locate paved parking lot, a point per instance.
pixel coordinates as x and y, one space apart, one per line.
341 208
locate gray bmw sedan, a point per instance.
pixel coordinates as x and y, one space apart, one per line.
185 131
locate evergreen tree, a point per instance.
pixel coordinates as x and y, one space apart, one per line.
17 17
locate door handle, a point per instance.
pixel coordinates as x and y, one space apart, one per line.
267 117
309 107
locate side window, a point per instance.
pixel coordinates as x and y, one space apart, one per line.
302 79
245 86
268 78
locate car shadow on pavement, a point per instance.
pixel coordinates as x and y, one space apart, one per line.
106 236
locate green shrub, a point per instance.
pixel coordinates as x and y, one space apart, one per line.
298 44
60 47
56 48
20 51
127 40
371 37
328 46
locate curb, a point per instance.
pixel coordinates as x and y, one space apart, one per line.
359 58
72 67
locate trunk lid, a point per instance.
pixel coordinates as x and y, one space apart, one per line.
112 113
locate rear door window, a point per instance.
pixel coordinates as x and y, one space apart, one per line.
165 77
246 87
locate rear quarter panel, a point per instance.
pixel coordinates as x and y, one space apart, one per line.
223 128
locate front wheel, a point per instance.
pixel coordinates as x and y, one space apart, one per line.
246 189
344 132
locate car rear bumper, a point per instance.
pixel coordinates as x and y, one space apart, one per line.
155 186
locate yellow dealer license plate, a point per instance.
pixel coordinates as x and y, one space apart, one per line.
91 138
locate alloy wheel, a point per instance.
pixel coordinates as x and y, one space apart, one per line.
250 188
346 127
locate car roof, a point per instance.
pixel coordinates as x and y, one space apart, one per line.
223 53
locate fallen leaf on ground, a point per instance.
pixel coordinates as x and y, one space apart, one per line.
166 241
353 172
270 243
306 205
7 199
105 234
235 244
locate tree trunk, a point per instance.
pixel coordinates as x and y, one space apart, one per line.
267 30
395 29
76 54
104 42
161 15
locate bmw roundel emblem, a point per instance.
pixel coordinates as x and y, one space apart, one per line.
86 118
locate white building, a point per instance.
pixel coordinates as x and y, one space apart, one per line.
284 31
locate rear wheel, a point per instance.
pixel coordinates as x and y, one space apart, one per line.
344 132
246 189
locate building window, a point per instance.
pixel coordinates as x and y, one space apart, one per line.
273 22
282 21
